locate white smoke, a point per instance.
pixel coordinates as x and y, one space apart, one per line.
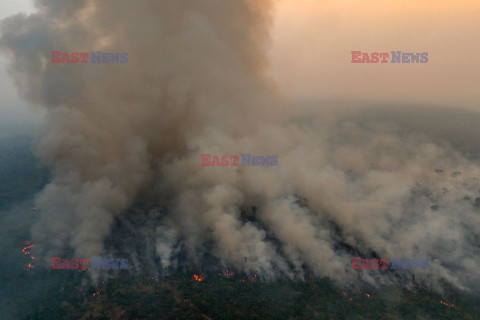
195 83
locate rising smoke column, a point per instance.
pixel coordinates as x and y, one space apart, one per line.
191 65
195 83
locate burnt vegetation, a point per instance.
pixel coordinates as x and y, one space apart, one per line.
181 296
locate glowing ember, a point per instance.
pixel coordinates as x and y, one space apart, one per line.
25 250
199 278
28 245
445 303
367 295
100 290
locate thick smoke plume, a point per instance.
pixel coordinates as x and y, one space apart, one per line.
121 135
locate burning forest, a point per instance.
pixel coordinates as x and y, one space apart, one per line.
172 84
125 144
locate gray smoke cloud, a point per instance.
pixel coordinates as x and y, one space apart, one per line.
195 83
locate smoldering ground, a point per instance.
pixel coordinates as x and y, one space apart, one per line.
117 135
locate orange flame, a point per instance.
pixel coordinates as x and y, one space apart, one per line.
199 278
367 295
100 290
445 303
28 246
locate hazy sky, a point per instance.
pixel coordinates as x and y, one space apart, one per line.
312 41
9 99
